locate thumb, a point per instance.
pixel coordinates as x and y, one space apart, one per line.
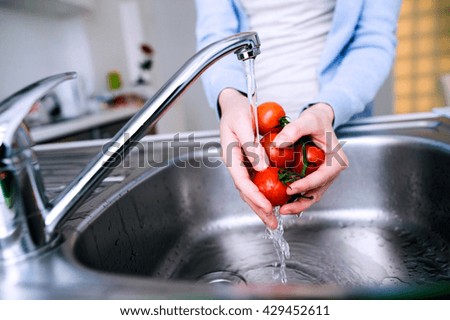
289 135
253 149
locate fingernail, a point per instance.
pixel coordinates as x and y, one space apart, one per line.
262 162
270 221
273 224
260 166
291 191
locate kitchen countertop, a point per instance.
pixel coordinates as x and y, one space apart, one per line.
85 122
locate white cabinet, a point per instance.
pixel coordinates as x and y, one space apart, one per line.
57 8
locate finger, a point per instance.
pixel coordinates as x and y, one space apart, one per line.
231 150
257 156
251 146
302 126
253 196
269 219
255 199
248 190
302 204
335 162
317 179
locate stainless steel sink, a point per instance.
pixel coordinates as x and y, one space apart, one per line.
382 226
180 229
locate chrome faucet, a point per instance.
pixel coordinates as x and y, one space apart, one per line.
28 220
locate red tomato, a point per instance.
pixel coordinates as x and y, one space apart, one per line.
278 157
269 116
314 158
270 186
315 155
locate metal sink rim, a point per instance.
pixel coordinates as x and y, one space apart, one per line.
103 285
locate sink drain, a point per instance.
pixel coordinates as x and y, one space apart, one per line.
221 278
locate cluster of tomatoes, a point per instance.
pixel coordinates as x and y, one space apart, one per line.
287 164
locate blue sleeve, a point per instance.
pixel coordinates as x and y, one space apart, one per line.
217 19
352 80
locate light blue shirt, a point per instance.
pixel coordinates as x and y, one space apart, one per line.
356 59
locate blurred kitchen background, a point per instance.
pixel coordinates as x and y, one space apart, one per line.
102 40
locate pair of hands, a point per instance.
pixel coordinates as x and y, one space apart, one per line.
237 136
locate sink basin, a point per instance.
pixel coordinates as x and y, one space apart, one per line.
381 228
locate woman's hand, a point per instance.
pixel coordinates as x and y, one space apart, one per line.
316 122
238 148
237 136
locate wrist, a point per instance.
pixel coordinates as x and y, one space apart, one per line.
229 98
326 111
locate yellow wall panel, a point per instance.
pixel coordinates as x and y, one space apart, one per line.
425 47
403 68
403 105
404 29
425 25
426 85
423 54
425 66
403 88
405 49
424 5
444 64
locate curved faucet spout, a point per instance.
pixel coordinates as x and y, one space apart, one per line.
27 220
245 45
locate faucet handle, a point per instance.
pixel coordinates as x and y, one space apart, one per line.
15 108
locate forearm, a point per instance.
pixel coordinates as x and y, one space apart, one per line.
363 66
215 21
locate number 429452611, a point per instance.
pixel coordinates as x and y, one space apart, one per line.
296 310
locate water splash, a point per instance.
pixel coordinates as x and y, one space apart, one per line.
281 246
